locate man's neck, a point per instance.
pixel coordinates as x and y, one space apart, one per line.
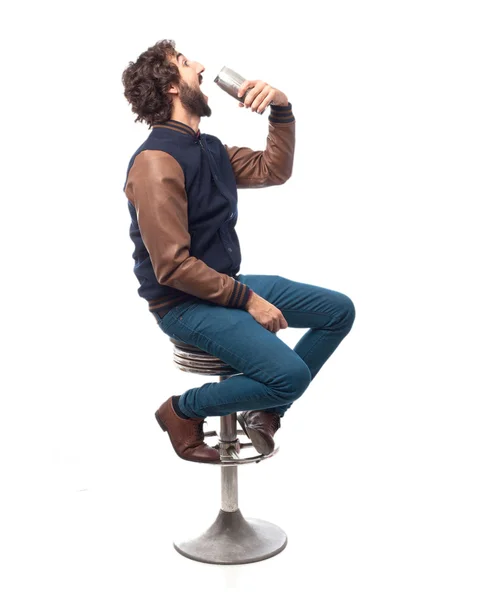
181 115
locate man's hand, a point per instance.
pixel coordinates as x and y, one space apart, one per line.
265 313
261 95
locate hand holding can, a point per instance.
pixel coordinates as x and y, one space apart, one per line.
230 81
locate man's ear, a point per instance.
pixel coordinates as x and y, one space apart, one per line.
173 89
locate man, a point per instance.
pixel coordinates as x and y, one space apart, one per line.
181 187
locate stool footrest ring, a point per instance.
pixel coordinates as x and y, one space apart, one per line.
231 461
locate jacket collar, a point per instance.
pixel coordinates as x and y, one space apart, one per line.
179 127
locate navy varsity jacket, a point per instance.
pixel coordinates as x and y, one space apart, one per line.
182 198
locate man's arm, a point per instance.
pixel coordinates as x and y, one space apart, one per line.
274 165
156 187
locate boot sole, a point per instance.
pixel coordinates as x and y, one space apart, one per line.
260 444
163 426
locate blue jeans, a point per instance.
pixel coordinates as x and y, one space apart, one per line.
271 374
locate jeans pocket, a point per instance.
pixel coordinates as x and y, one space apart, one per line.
159 320
187 309
164 321
175 313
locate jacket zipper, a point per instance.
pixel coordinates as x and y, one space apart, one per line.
217 181
226 194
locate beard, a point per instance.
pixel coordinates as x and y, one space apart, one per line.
193 100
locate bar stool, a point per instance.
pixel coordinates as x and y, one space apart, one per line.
231 539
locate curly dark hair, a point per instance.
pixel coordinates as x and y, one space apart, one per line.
148 80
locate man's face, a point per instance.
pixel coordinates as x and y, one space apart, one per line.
189 93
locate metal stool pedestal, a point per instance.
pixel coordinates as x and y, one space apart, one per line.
234 540
231 539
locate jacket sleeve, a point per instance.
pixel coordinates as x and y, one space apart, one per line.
274 165
156 187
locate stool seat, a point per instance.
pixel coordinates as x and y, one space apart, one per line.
192 359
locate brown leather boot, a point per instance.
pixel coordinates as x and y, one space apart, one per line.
260 426
186 435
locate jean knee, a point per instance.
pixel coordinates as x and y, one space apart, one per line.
348 312
300 379
351 313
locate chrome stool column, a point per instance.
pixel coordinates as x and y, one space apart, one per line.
231 539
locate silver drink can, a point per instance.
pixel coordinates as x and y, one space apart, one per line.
230 82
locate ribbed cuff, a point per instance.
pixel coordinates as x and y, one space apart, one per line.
240 295
281 114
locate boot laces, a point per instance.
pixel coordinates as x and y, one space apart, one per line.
199 429
276 421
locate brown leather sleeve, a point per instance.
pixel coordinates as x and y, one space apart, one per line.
274 165
156 187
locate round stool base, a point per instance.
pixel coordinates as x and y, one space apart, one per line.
234 540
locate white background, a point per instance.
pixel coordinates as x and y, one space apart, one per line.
376 479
